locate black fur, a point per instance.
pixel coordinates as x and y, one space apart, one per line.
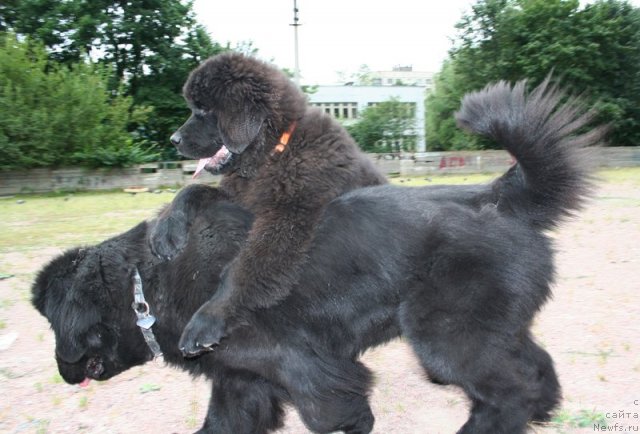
460 272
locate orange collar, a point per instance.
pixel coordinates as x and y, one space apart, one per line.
284 139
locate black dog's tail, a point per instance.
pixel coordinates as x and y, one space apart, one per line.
547 138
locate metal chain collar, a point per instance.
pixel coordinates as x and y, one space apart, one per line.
145 319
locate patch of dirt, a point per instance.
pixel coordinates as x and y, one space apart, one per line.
591 329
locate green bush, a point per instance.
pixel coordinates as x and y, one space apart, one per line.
123 155
54 115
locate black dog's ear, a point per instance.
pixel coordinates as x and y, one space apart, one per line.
55 277
76 311
240 126
60 294
74 319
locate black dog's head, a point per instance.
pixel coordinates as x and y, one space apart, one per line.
237 103
86 296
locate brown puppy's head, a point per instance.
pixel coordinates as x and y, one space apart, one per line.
239 104
86 295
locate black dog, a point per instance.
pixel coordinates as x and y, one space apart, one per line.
463 282
87 295
459 271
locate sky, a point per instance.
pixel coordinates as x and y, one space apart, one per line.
339 35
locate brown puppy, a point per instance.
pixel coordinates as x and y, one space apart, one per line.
282 160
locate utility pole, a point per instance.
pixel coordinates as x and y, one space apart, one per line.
296 24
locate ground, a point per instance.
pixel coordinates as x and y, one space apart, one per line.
591 328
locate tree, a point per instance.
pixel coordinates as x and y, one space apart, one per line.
385 127
7 14
362 77
52 115
593 51
442 103
128 35
161 87
150 45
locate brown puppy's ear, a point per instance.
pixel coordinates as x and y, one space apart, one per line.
240 126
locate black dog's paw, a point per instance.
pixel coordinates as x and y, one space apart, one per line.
437 380
203 332
169 235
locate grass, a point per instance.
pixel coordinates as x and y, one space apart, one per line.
63 221
8 373
41 425
194 410
581 419
149 387
6 303
629 175
56 379
472 178
602 355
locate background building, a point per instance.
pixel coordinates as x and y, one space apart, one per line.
347 102
402 76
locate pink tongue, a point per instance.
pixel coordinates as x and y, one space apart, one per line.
211 161
85 382
201 165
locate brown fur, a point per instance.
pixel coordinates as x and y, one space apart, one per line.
246 105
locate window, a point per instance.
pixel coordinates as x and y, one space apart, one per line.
339 110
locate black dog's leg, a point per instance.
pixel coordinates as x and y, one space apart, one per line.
522 386
329 394
506 416
544 380
503 387
491 368
170 232
343 411
244 403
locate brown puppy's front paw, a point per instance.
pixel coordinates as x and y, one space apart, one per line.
203 332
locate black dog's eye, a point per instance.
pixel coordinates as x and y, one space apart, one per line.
96 336
94 339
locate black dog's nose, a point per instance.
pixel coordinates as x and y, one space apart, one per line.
176 138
